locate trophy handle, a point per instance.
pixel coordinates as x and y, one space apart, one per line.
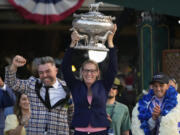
102 38
81 36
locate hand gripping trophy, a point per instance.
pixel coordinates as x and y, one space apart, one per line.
92 28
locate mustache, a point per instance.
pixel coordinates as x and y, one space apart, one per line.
50 78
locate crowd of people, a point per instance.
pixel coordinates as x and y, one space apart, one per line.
44 104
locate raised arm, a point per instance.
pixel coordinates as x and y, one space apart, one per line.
112 67
11 94
10 74
66 64
7 98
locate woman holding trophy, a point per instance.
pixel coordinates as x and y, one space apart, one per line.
90 93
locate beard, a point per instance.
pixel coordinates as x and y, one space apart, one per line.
47 81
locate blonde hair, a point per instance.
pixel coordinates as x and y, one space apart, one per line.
89 62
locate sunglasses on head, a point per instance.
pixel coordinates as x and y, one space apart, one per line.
114 88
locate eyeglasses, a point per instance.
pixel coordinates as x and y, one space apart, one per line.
113 88
92 71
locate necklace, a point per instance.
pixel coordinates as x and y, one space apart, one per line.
170 101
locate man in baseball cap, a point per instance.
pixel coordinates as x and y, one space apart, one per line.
154 109
160 84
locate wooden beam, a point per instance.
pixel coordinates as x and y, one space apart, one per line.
34 26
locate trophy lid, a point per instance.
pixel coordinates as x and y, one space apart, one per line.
94 13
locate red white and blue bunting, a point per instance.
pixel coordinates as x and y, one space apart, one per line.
46 11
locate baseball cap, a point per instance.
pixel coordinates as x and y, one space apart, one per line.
161 78
116 83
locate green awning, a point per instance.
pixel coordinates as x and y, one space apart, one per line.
168 7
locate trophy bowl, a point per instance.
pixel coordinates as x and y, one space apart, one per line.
92 28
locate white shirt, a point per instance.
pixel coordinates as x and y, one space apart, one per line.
4 87
55 94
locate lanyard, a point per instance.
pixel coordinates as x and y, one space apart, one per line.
112 111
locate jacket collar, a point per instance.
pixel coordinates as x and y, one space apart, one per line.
62 102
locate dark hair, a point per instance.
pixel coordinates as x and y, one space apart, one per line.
2 73
17 108
46 59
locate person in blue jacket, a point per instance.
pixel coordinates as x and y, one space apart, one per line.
7 100
90 93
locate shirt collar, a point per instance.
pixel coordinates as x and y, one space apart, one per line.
56 84
4 87
159 99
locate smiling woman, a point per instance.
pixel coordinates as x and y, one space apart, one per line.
90 93
14 124
90 72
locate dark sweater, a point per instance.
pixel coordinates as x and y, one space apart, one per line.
84 113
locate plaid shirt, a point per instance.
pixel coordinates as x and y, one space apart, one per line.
57 120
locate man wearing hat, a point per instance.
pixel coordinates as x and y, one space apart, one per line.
158 111
117 112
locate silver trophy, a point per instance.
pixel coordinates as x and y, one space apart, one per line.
92 28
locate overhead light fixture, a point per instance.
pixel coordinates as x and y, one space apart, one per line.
97 56
178 21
